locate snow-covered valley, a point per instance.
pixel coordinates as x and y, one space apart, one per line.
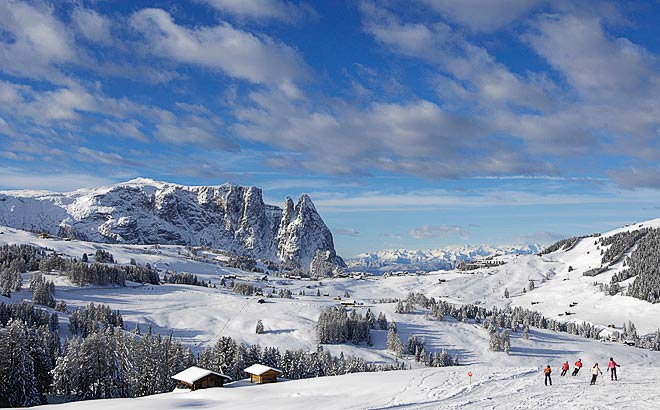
198 316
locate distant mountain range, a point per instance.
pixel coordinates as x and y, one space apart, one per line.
429 259
144 211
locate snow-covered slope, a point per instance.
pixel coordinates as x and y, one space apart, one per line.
430 259
143 211
492 387
198 316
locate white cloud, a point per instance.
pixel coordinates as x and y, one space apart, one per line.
483 15
262 9
122 129
442 199
438 231
35 41
414 138
484 80
92 25
108 158
12 178
239 54
636 177
67 110
595 65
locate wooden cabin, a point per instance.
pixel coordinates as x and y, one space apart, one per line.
196 378
262 374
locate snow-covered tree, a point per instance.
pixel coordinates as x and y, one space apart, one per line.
18 382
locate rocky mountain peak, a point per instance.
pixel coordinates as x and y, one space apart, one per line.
144 211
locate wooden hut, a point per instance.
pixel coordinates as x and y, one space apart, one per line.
262 374
196 378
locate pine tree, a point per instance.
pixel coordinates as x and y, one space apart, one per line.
382 321
393 341
444 358
18 384
260 327
506 341
494 343
506 293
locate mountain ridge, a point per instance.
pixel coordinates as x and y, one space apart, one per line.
445 258
145 211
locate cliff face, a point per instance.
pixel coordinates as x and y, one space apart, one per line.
144 211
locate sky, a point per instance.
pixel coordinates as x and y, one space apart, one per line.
411 124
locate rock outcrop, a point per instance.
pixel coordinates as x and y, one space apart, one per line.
142 211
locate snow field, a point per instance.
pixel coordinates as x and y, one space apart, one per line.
430 388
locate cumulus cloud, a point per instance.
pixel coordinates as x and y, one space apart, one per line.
130 128
483 78
603 102
483 15
92 25
108 158
36 42
263 9
595 65
239 54
633 178
415 138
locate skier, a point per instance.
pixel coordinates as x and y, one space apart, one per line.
547 372
611 367
578 366
594 373
564 368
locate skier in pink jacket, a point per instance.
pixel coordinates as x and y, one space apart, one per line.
611 367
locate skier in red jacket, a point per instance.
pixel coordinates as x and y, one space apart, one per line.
578 366
611 367
564 368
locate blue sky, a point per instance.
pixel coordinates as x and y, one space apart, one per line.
413 124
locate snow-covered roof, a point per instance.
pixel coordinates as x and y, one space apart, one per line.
259 369
194 373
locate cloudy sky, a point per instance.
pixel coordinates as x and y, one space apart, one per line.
414 123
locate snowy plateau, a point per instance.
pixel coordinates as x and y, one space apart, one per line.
138 224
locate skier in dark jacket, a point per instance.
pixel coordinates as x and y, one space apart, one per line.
564 368
611 367
578 366
547 372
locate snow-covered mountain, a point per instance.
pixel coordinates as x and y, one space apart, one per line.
144 211
430 259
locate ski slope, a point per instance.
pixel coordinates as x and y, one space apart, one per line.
503 388
198 316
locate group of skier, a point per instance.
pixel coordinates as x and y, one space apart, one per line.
595 371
